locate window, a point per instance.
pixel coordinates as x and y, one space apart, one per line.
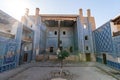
64 32
87 48
86 37
55 32
85 26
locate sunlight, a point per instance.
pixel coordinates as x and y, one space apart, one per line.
17 7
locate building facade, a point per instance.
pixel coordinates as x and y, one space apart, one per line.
53 31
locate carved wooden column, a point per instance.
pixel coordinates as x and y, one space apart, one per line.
59 34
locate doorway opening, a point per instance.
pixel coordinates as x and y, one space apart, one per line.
104 59
51 49
25 57
88 57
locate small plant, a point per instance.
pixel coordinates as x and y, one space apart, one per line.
62 55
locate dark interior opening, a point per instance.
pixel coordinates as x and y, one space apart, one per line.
51 49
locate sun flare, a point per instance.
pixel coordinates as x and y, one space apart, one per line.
17 7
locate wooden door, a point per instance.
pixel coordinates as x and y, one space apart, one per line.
25 57
88 57
104 59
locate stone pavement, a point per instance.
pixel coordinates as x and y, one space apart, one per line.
109 70
40 70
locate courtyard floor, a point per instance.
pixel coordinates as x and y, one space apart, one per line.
41 70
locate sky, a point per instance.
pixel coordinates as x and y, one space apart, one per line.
102 10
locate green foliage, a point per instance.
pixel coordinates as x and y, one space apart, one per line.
63 54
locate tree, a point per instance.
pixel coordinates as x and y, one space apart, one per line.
61 56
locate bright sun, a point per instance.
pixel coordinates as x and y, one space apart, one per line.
17 7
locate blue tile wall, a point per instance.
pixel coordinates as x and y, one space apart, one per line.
7 54
114 65
116 41
103 39
111 64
